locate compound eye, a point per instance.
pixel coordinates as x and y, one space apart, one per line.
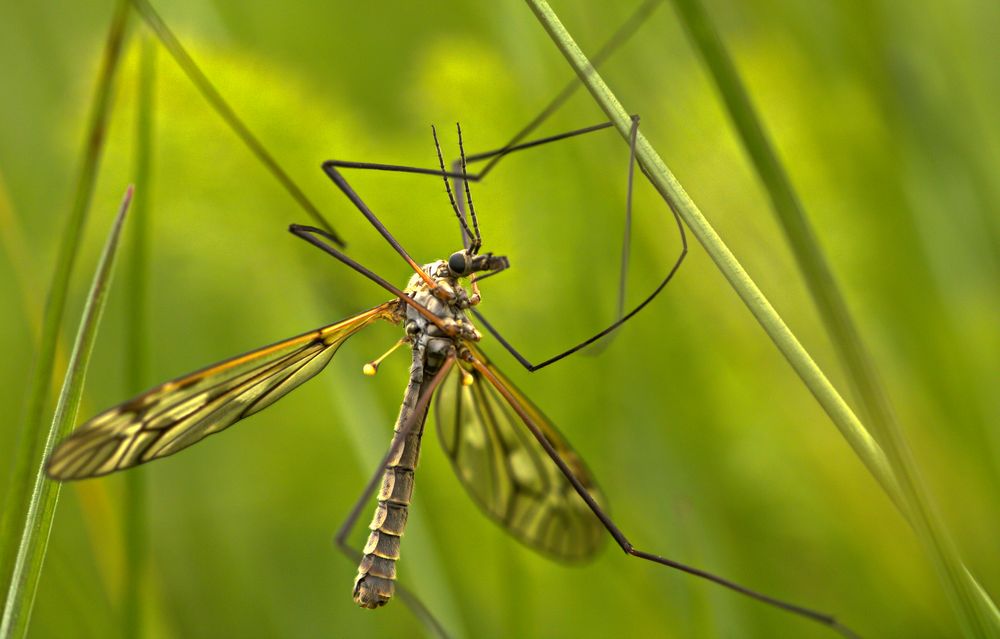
458 263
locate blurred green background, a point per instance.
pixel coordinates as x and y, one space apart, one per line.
709 448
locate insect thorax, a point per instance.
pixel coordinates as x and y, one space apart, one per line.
424 333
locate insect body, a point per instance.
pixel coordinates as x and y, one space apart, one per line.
503 469
431 347
510 458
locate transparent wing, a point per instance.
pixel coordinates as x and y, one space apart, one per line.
507 472
174 415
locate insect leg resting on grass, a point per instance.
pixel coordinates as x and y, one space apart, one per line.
249 383
552 504
463 406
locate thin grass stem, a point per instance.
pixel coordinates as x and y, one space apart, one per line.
31 437
672 191
226 112
860 440
30 556
973 606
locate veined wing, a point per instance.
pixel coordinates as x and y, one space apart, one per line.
174 415
507 472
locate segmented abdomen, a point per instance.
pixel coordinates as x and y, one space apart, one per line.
375 583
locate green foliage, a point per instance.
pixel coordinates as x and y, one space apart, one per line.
21 552
44 495
706 443
896 472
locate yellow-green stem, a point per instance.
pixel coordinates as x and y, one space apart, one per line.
819 385
671 190
974 607
31 437
227 113
30 556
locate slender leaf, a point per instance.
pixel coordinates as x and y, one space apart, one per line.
864 445
976 610
675 196
45 493
31 437
226 112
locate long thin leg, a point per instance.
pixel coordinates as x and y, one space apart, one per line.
617 39
309 233
331 170
599 347
624 32
458 173
627 235
504 151
474 177
622 318
215 99
620 37
620 537
555 358
395 447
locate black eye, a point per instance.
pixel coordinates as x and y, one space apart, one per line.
458 263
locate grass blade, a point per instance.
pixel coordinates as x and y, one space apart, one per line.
861 441
31 436
226 112
134 517
671 190
973 606
45 493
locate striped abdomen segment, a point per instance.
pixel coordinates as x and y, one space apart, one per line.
374 584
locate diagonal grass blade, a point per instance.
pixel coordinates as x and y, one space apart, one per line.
45 494
31 436
670 189
973 605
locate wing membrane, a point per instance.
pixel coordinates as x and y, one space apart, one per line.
507 472
174 415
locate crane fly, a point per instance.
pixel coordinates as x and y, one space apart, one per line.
511 459
476 421
502 466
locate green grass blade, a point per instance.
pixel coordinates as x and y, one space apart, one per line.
32 435
670 189
45 493
226 112
975 609
134 517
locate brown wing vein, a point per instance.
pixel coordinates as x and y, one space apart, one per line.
524 491
174 415
491 432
